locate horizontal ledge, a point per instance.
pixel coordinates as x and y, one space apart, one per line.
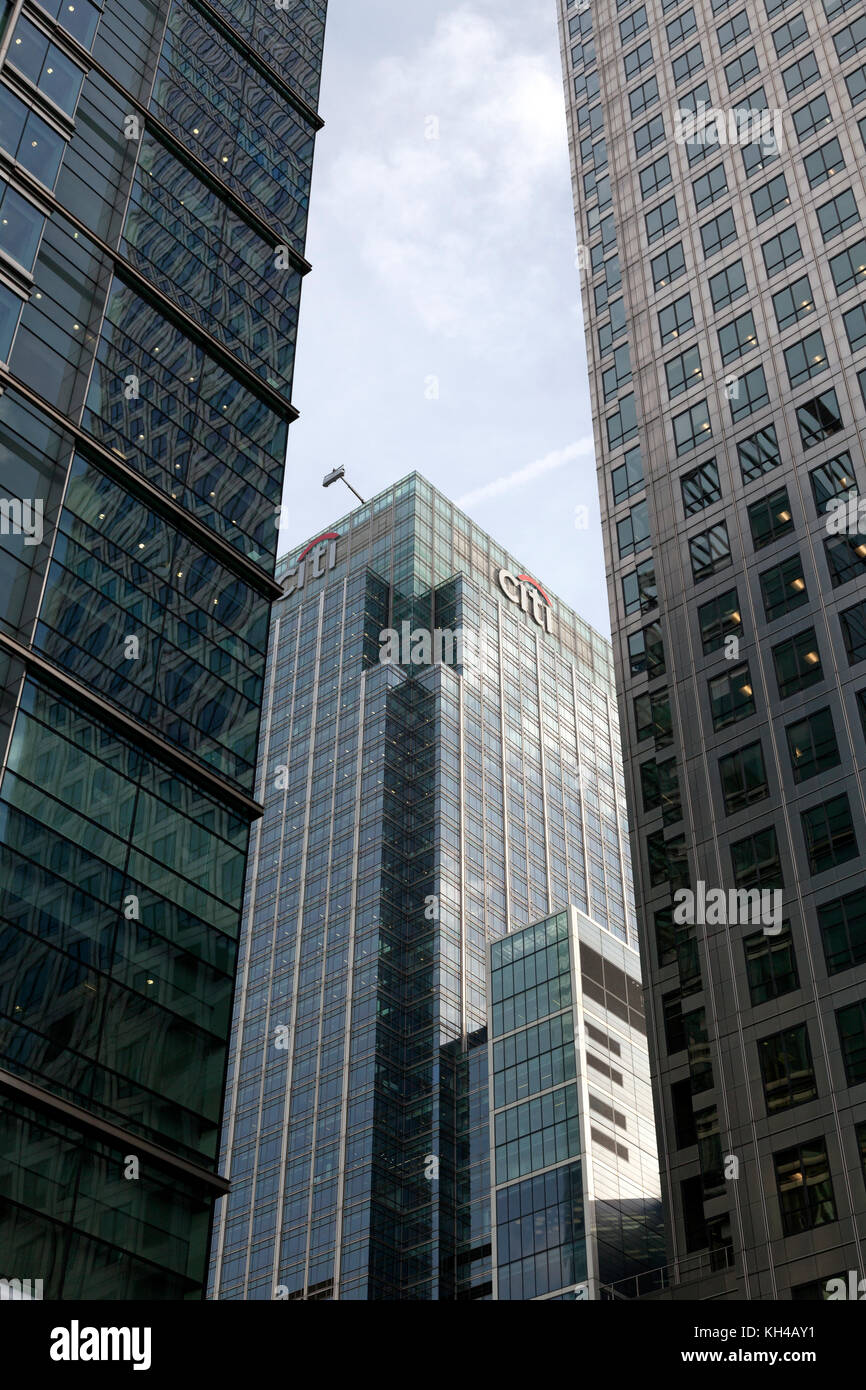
152 496
111 1133
131 729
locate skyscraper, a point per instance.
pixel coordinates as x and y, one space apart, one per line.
573 1146
719 160
155 163
416 809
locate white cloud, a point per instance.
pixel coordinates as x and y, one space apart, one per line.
440 224
555 459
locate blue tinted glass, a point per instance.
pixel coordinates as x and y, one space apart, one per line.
30 139
42 61
20 226
10 308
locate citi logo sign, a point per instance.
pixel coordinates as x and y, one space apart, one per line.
522 589
77 1343
314 561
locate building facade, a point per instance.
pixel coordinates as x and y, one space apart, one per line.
719 163
155 164
416 809
573 1161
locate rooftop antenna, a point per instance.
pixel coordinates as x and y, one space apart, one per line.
339 476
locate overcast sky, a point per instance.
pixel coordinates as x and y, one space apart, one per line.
441 326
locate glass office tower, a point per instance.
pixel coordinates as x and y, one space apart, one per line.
719 160
573 1158
416 808
155 161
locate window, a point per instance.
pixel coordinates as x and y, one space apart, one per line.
632 25
855 327
733 31
811 117
829 834
655 177
782 250
856 84
851 39
834 478
710 186
846 558
812 745
709 551
639 591
681 28
823 163
615 328
786 1069
755 861
661 220
29 139
771 965
783 588
687 64
731 696
718 232
770 518
839 213
797 663
643 97
47 67
805 1188
849 267
743 778
720 619
801 75
683 372
623 425
788 35
692 428
770 198
793 303
646 652
619 375
675 1033
700 487
79 20
675 319
749 394
806 359
738 337
819 418
843 931
668 266
667 860
728 285
853 623
660 788
851 1022
759 453
742 69
10 312
628 478
21 226
637 60
633 532
759 154
648 136
652 718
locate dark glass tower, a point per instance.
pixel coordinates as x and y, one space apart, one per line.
415 810
719 160
155 163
